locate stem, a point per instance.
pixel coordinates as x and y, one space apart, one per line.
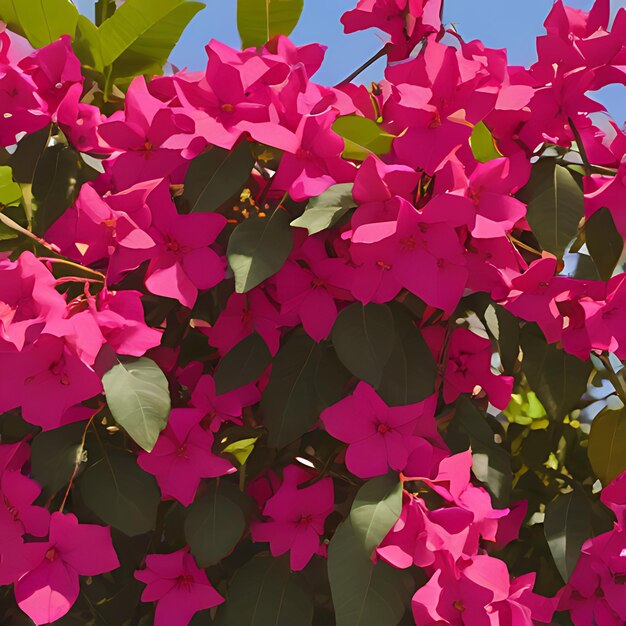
74 265
7 221
443 359
79 454
613 377
524 246
581 146
381 53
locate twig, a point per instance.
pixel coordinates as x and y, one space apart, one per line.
78 266
524 246
581 146
381 53
613 377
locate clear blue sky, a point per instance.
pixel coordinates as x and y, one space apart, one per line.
511 24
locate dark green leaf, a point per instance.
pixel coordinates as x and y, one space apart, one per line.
140 35
138 395
26 157
289 403
607 445
567 526
260 20
214 525
504 329
120 493
54 455
364 337
54 184
364 594
257 249
491 463
555 205
40 21
409 374
376 508
604 242
362 137
263 592
217 175
327 209
559 379
243 364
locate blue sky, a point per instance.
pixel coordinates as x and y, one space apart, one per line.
511 24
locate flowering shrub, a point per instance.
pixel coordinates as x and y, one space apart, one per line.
273 352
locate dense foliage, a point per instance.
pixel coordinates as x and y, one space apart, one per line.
273 352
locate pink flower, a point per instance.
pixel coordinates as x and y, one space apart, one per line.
182 262
17 493
469 365
178 586
379 437
182 456
297 516
48 591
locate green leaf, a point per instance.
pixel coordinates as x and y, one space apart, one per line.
362 137
607 445
40 21
214 525
10 192
559 379
604 242
120 493
409 374
363 337
54 455
243 364
491 463
257 249
263 592
241 449
364 594
483 144
88 44
260 20
567 526
289 403
376 508
217 175
327 209
555 205
140 35
138 395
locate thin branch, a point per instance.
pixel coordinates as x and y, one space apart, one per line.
613 377
381 53
524 246
581 146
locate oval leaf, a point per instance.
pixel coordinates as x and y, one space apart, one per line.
120 493
567 526
607 445
289 403
138 395
217 175
214 525
243 364
264 591
363 337
375 510
362 137
555 205
604 242
258 248
260 20
327 209
483 144
364 594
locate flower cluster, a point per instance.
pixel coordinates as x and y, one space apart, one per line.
238 217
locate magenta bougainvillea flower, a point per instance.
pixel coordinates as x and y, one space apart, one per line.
379 437
50 588
182 456
295 517
178 586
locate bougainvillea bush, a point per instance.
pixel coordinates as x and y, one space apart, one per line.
277 353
